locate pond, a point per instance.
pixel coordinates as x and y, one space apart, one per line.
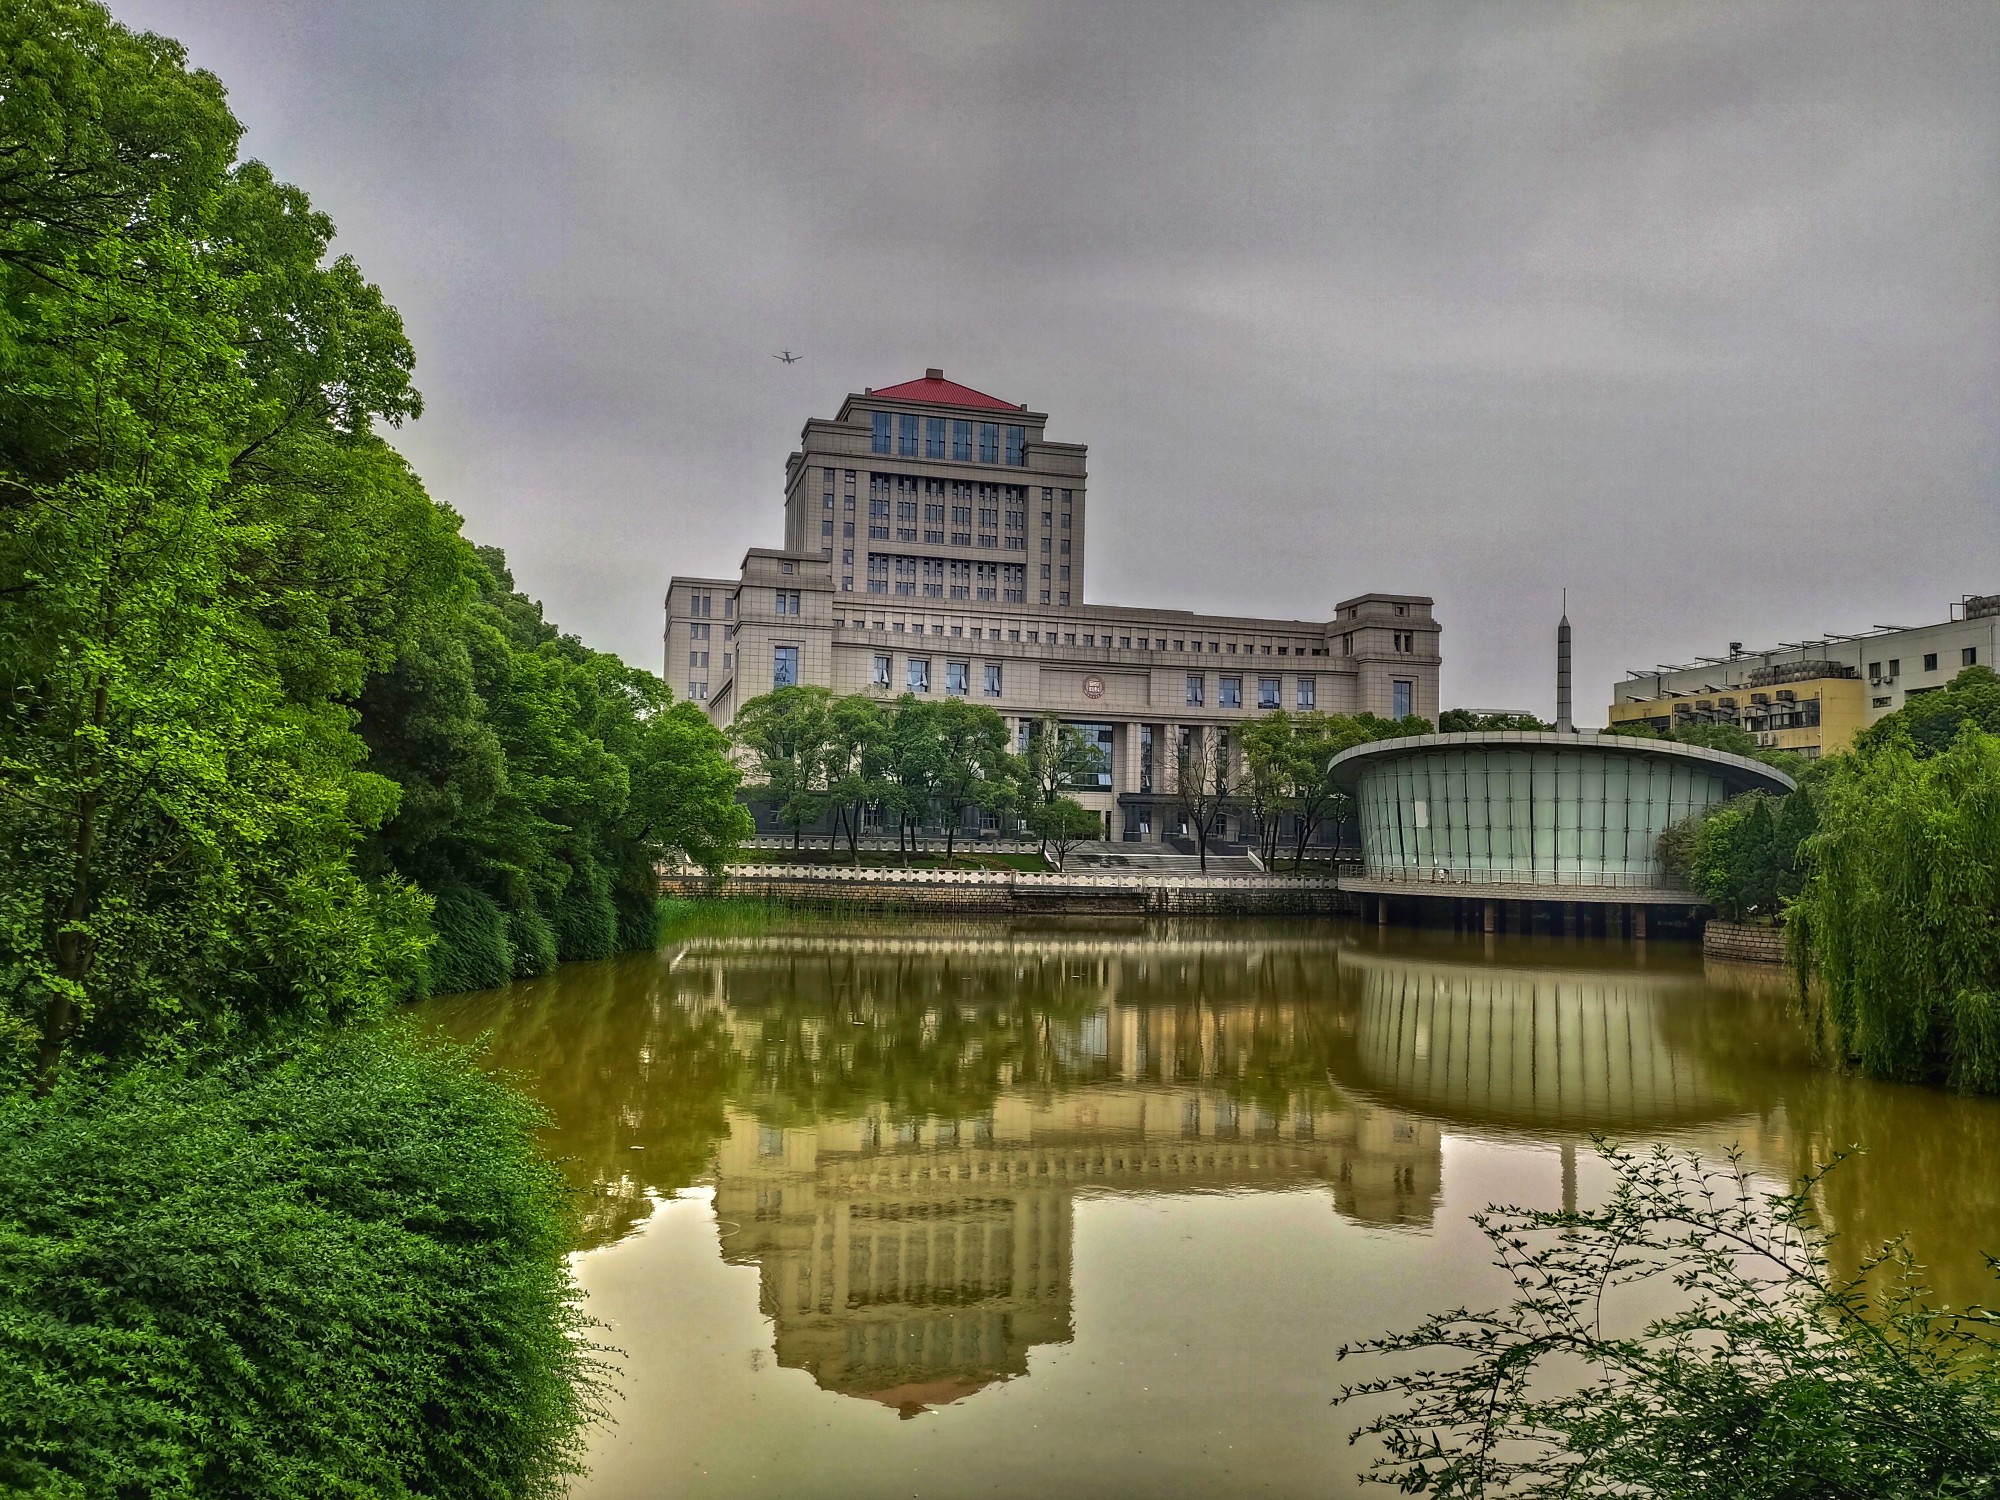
880 1208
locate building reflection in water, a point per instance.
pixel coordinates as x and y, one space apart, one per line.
897 1123
913 1258
1533 1049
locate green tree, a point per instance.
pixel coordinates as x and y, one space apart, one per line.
1270 780
1204 782
207 550
1930 721
857 750
1466 721
1059 758
912 761
1896 918
789 730
974 767
1063 824
684 789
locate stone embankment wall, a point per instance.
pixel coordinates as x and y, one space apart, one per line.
1015 893
1744 942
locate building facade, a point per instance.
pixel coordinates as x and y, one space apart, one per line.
1532 817
934 544
1812 697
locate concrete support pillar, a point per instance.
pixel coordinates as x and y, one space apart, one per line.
1381 911
1492 915
1639 923
1569 919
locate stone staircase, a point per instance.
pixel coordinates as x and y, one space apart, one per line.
1102 858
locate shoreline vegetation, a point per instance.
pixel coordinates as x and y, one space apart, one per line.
1883 867
279 750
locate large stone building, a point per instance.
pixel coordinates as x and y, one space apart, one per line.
934 544
1812 696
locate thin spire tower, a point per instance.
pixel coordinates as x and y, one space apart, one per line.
1565 724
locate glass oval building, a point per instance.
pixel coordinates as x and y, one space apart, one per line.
1566 817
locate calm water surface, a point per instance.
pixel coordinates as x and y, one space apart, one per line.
1030 1210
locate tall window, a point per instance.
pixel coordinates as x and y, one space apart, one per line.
1194 690
957 677
989 443
788 601
1308 692
918 678
1229 692
961 441
1017 446
879 440
906 434
882 668
992 679
1268 692
933 437
784 666
1400 692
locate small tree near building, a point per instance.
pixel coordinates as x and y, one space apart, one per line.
1059 758
788 733
1201 783
1063 824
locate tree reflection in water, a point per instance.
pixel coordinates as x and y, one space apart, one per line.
897 1119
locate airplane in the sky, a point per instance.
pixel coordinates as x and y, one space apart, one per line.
788 357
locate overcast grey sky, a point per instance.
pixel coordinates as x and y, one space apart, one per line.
1694 309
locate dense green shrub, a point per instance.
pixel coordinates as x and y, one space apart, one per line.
334 1272
1747 857
532 939
471 951
1898 928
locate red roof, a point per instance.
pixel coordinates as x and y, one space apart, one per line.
935 388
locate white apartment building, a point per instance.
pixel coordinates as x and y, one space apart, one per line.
934 544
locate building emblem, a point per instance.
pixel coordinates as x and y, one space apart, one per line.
1093 686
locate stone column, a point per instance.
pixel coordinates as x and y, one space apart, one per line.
1492 915
1639 923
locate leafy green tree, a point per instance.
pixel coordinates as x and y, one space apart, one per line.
684 789
789 731
1896 918
974 767
1270 763
1063 824
1204 782
208 549
912 760
856 759
1059 758
1466 721
1931 721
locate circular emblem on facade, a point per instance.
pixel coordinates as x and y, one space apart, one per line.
1093 686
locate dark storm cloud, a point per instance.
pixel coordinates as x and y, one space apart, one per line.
1692 309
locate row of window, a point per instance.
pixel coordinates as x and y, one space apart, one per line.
947 578
1968 656
1270 691
881 483
957 675
1099 640
912 436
